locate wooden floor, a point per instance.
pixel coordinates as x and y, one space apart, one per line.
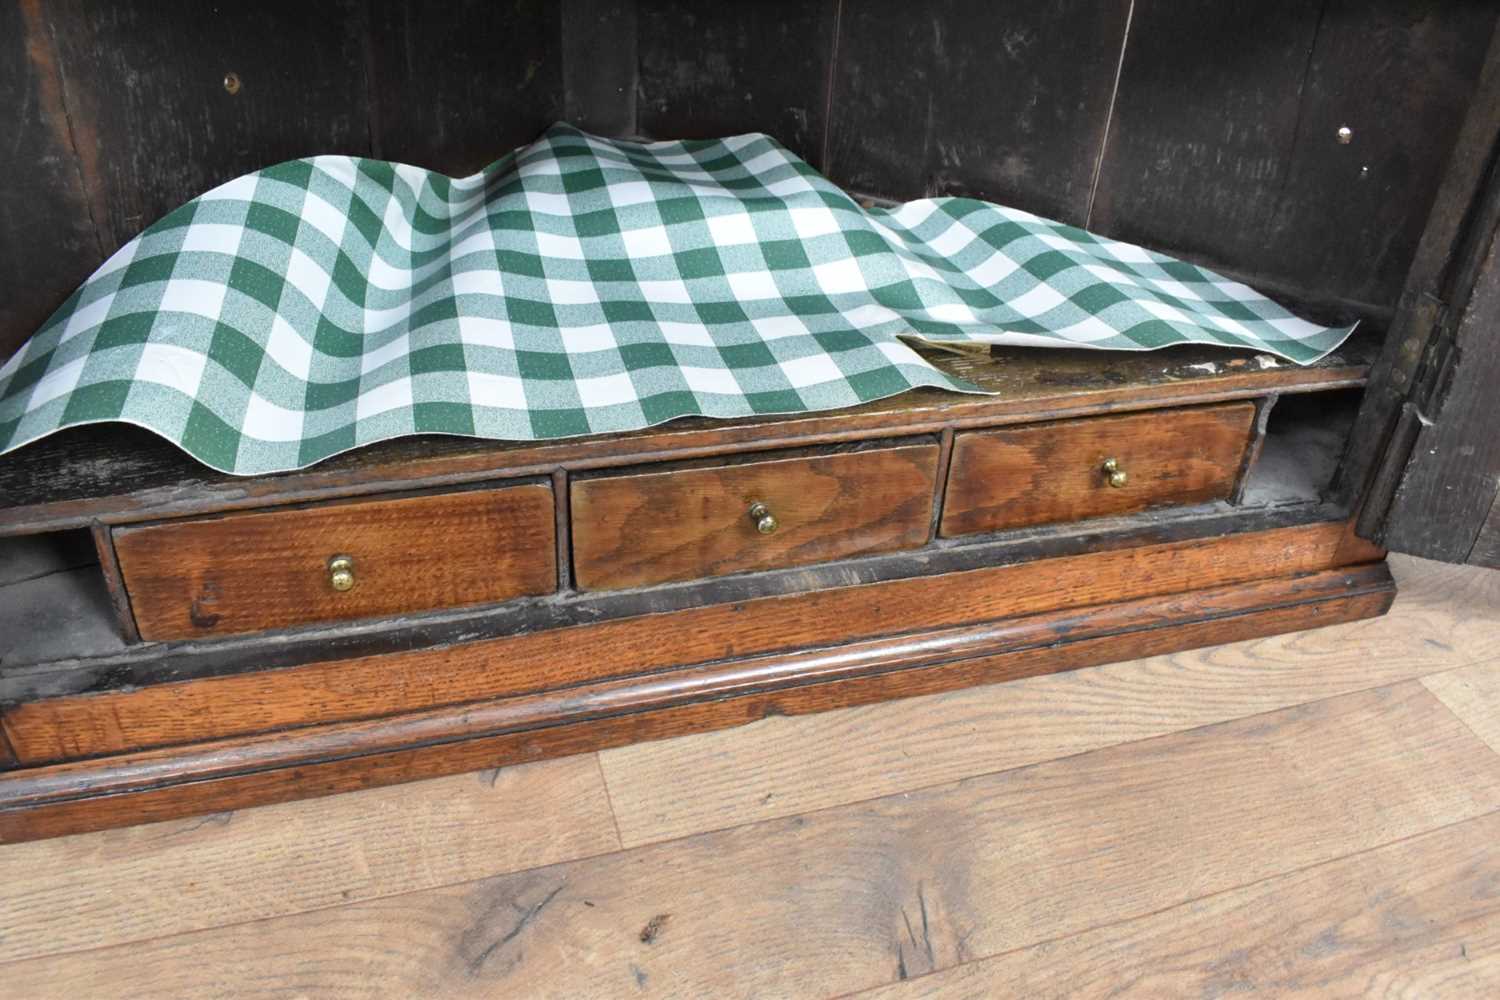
1308 815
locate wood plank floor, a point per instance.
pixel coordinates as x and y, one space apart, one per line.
1305 815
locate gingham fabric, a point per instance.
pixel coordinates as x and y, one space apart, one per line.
578 285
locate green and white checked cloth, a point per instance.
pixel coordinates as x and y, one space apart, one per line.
578 285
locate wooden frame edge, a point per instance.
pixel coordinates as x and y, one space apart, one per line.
231 774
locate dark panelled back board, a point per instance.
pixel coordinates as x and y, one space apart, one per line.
1225 140
1000 101
1218 143
47 241
709 70
455 85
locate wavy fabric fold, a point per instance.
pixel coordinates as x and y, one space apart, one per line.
576 286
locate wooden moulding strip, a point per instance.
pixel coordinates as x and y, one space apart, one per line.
670 444
230 774
87 725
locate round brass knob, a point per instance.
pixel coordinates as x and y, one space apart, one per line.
765 521
341 573
1117 476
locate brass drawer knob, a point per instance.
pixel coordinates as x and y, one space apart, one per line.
341 573
765 521
1117 476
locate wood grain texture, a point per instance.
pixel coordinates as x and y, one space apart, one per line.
43 206
114 583
654 527
970 98
1054 472
1223 148
711 70
457 88
1452 481
118 473
368 687
164 784
230 867
785 766
1376 455
1473 694
248 572
1417 918
855 897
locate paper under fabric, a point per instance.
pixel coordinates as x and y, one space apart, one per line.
578 285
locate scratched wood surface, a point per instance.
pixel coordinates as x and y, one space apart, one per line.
1199 127
1309 815
655 526
1044 473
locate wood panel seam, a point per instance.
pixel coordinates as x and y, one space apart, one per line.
1179 904
1109 117
85 189
609 801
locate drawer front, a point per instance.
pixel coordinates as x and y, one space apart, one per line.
1044 473
634 530
247 572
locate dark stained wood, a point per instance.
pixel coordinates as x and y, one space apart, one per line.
47 239
638 529
119 474
31 679
7 753
998 863
1054 472
456 87
1486 551
1449 486
711 70
1386 429
373 844
248 572
258 701
1006 102
109 566
599 65
153 122
563 516
69 798
1223 144
57 615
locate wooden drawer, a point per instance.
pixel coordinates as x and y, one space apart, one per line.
1044 473
639 529
247 572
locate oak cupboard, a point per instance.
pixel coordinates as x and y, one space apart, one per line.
175 641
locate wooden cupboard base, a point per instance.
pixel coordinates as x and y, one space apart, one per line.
227 774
